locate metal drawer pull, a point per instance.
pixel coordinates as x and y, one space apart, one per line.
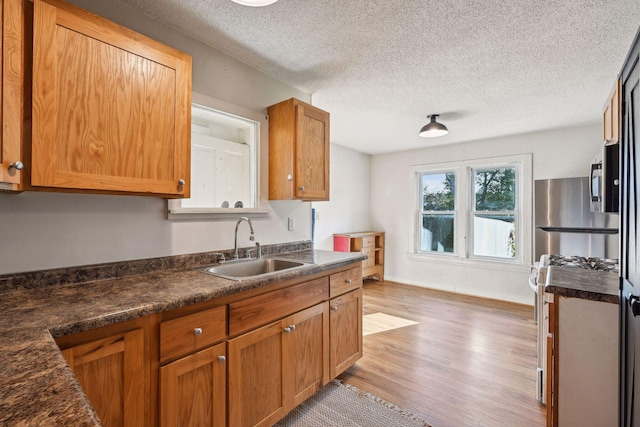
290 328
334 308
222 359
181 181
348 280
197 331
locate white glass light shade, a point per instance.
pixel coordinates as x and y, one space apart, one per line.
255 3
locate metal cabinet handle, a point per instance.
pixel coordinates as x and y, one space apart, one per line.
17 165
181 181
301 188
293 327
334 308
634 304
289 177
348 280
287 329
222 359
197 331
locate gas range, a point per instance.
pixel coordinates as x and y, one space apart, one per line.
537 281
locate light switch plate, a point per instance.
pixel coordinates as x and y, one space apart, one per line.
291 224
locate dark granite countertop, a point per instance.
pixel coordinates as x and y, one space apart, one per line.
586 284
36 385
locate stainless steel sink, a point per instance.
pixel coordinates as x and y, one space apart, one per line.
238 270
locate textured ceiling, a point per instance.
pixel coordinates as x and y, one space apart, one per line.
490 68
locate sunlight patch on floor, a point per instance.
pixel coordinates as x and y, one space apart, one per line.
381 322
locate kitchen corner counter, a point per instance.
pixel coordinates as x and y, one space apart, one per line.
585 284
37 387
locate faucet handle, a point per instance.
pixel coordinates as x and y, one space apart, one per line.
252 237
249 251
258 250
221 256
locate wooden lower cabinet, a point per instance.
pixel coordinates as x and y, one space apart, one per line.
193 390
345 339
274 368
187 368
111 372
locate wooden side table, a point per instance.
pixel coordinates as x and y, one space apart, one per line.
370 243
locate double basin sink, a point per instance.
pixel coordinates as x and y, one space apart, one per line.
250 269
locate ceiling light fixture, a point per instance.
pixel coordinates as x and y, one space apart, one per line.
433 128
255 3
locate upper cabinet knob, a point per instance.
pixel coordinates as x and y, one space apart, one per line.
301 188
348 280
289 177
17 165
197 331
181 181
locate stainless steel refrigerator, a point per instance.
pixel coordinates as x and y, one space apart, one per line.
565 225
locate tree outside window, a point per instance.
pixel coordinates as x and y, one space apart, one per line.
495 212
437 216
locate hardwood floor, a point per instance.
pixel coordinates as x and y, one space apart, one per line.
468 362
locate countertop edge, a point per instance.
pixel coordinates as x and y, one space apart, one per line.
584 284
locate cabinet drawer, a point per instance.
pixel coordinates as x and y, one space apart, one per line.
345 281
368 241
187 334
261 309
371 261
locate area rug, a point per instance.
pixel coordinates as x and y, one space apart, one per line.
340 405
381 322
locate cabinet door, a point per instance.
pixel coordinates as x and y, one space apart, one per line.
306 352
312 153
256 392
611 116
12 94
345 328
111 108
193 390
111 373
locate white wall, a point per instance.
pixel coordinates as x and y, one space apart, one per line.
556 154
48 230
348 208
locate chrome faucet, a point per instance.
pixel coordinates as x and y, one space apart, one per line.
251 237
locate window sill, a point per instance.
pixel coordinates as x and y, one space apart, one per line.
471 262
216 213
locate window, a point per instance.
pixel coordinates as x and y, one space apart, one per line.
438 215
474 209
225 152
494 212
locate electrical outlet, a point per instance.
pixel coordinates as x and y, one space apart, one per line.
291 224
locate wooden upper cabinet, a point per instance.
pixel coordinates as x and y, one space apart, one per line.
298 151
611 116
111 108
12 94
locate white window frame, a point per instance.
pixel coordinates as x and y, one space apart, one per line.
464 208
418 219
472 212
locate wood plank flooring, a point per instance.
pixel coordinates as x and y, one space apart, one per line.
468 362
